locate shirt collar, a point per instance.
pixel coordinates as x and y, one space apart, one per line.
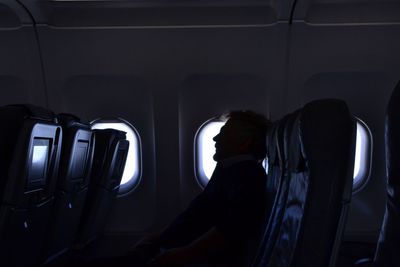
236 159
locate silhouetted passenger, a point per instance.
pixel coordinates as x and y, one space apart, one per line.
222 225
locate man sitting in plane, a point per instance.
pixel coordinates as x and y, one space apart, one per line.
222 225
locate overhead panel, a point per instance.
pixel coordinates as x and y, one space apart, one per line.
21 79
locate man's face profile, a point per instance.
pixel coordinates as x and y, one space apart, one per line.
230 141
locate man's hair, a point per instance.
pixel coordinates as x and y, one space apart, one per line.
254 125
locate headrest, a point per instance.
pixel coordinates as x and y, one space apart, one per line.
272 150
108 160
296 161
287 129
275 140
315 115
393 106
111 132
311 117
392 141
106 138
32 111
67 119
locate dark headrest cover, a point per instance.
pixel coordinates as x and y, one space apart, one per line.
327 138
287 129
296 161
389 240
35 112
392 136
271 145
110 132
68 117
69 120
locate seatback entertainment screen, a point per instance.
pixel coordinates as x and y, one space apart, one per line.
38 163
79 161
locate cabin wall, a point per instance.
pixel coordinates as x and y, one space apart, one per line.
167 74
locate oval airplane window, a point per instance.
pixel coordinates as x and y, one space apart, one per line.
205 150
131 176
362 157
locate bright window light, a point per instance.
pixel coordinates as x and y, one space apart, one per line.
362 155
205 150
130 177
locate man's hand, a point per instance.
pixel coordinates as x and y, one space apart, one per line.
177 257
209 244
145 249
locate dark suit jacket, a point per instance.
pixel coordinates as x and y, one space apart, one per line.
233 202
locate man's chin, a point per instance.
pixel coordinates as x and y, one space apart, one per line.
216 157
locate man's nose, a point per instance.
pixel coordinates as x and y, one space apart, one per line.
216 138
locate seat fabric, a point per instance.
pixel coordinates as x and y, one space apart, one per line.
30 142
387 253
318 159
72 185
110 152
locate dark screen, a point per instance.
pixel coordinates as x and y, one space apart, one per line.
78 166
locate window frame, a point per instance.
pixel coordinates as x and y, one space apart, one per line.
201 180
131 184
360 183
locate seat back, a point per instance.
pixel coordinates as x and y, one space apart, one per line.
277 176
274 166
325 152
389 239
319 144
30 144
72 185
109 159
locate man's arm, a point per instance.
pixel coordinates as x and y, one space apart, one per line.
197 219
209 244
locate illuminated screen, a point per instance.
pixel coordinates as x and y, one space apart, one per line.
38 166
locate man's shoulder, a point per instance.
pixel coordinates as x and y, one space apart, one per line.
245 168
251 164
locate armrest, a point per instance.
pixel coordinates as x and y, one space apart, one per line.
366 262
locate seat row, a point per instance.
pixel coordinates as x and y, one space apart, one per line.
310 177
58 180
311 157
387 250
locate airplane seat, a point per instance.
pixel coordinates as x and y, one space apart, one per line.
273 165
389 239
276 173
29 156
110 153
273 180
327 132
319 141
71 190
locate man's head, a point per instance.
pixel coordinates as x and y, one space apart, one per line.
243 133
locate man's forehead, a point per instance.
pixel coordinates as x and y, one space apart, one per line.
236 123
234 126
